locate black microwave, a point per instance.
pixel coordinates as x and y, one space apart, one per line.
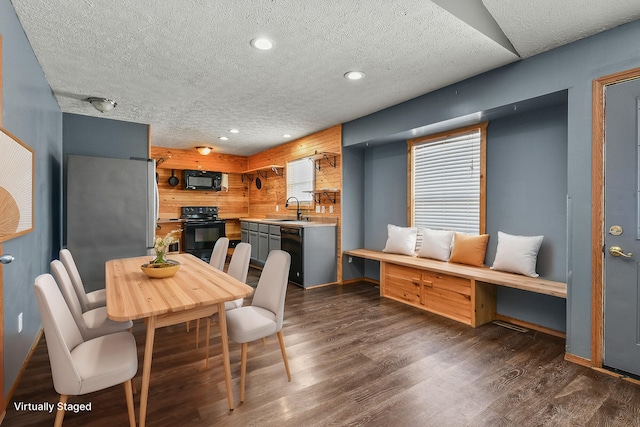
202 180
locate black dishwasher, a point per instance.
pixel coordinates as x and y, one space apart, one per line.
291 241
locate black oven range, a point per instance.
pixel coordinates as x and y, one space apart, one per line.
202 229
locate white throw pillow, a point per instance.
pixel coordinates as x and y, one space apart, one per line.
436 244
401 240
517 254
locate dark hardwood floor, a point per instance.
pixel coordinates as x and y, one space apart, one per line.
356 359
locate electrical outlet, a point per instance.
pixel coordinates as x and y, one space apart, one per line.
330 208
20 322
277 208
322 209
317 208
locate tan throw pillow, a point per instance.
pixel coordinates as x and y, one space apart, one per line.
468 249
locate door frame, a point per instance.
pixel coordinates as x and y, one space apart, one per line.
597 211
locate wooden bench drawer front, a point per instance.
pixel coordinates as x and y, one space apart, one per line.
448 295
403 288
446 282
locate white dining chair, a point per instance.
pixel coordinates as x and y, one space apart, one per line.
80 366
92 323
219 253
264 317
88 301
238 269
217 260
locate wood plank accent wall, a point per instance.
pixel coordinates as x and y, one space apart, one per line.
263 202
232 205
244 199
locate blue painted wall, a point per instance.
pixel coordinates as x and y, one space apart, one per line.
527 195
31 113
570 68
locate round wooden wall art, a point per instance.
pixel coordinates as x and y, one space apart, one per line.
16 187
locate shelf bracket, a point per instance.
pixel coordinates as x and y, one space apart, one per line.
262 175
333 165
275 170
329 197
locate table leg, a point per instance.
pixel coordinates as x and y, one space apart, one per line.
146 368
222 323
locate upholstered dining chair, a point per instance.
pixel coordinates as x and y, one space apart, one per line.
80 366
217 260
238 269
88 301
219 253
92 323
264 317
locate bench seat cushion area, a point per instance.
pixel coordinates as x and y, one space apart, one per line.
461 292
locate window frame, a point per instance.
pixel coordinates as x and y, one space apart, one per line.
308 199
411 143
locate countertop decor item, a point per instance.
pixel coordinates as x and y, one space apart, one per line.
160 271
162 267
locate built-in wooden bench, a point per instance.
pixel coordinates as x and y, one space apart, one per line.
460 292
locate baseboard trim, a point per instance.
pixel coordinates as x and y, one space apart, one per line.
578 360
533 326
361 279
22 369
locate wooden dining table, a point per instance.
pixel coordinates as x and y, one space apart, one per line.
196 291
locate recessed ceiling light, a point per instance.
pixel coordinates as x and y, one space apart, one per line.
223 138
286 135
262 43
354 75
234 131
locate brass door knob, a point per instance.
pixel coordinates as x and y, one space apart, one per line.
617 251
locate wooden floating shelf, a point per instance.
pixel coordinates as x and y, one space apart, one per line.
318 157
263 171
317 194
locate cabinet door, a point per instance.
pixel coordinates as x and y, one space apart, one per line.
244 236
263 246
274 242
253 241
404 284
447 295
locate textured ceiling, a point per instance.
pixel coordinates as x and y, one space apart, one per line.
187 69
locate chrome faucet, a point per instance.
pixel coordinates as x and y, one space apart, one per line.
298 213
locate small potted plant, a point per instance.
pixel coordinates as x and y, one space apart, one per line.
162 267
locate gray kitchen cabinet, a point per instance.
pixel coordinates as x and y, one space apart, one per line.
244 231
253 239
313 254
263 242
274 237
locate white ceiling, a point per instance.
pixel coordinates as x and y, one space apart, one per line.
187 69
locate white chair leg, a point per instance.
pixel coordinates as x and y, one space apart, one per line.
284 354
243 368
128 391
60 412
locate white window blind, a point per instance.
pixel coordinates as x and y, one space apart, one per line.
446 183
300 178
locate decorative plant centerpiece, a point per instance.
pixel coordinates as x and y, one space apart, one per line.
162 267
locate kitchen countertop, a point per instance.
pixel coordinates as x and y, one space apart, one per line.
289 223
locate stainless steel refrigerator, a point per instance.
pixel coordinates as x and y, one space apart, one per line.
111 212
